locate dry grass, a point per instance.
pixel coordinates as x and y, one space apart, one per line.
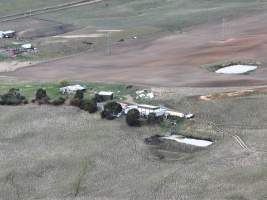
62 153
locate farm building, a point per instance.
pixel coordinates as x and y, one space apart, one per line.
145 110
7 34
104 96
71 89
27 46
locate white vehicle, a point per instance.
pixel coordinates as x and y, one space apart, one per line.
189 116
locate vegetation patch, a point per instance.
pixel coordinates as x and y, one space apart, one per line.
111 110
89 105
133 118
41 97
58 101
13 97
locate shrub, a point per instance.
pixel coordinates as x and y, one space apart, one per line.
40 94
129 87
25 101
111 110
41 97
152 118
64 83
110 117
88 105
132 117
58 101
79 94
77 99
44 100
75 102
103 114
12 97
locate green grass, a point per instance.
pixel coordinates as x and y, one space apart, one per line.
28 89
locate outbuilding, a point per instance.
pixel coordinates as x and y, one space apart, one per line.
7 34
145 110
71 89
104 96
27 46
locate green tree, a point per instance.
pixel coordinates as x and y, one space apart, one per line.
133 117
89 105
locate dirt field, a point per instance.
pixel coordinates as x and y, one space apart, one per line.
64 153
174 60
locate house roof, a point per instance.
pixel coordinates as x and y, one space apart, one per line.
9 32
73 87
27 46
174 113
148 106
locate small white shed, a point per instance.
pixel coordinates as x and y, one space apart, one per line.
27 46
104 96
71 89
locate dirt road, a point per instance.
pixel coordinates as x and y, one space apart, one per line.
169 60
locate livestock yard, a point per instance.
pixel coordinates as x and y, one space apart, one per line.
205 59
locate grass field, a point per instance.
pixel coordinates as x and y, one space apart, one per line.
168 15
28 88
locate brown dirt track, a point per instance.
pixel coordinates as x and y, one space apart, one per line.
174 60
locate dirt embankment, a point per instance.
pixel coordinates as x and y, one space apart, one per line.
14 65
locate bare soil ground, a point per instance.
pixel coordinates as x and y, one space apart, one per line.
12 66
174 60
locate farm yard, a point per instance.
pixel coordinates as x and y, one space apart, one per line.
133 100
64 153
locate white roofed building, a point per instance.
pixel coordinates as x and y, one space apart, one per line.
71 89
145 110
104 96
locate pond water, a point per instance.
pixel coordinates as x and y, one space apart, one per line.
190 141
236 69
